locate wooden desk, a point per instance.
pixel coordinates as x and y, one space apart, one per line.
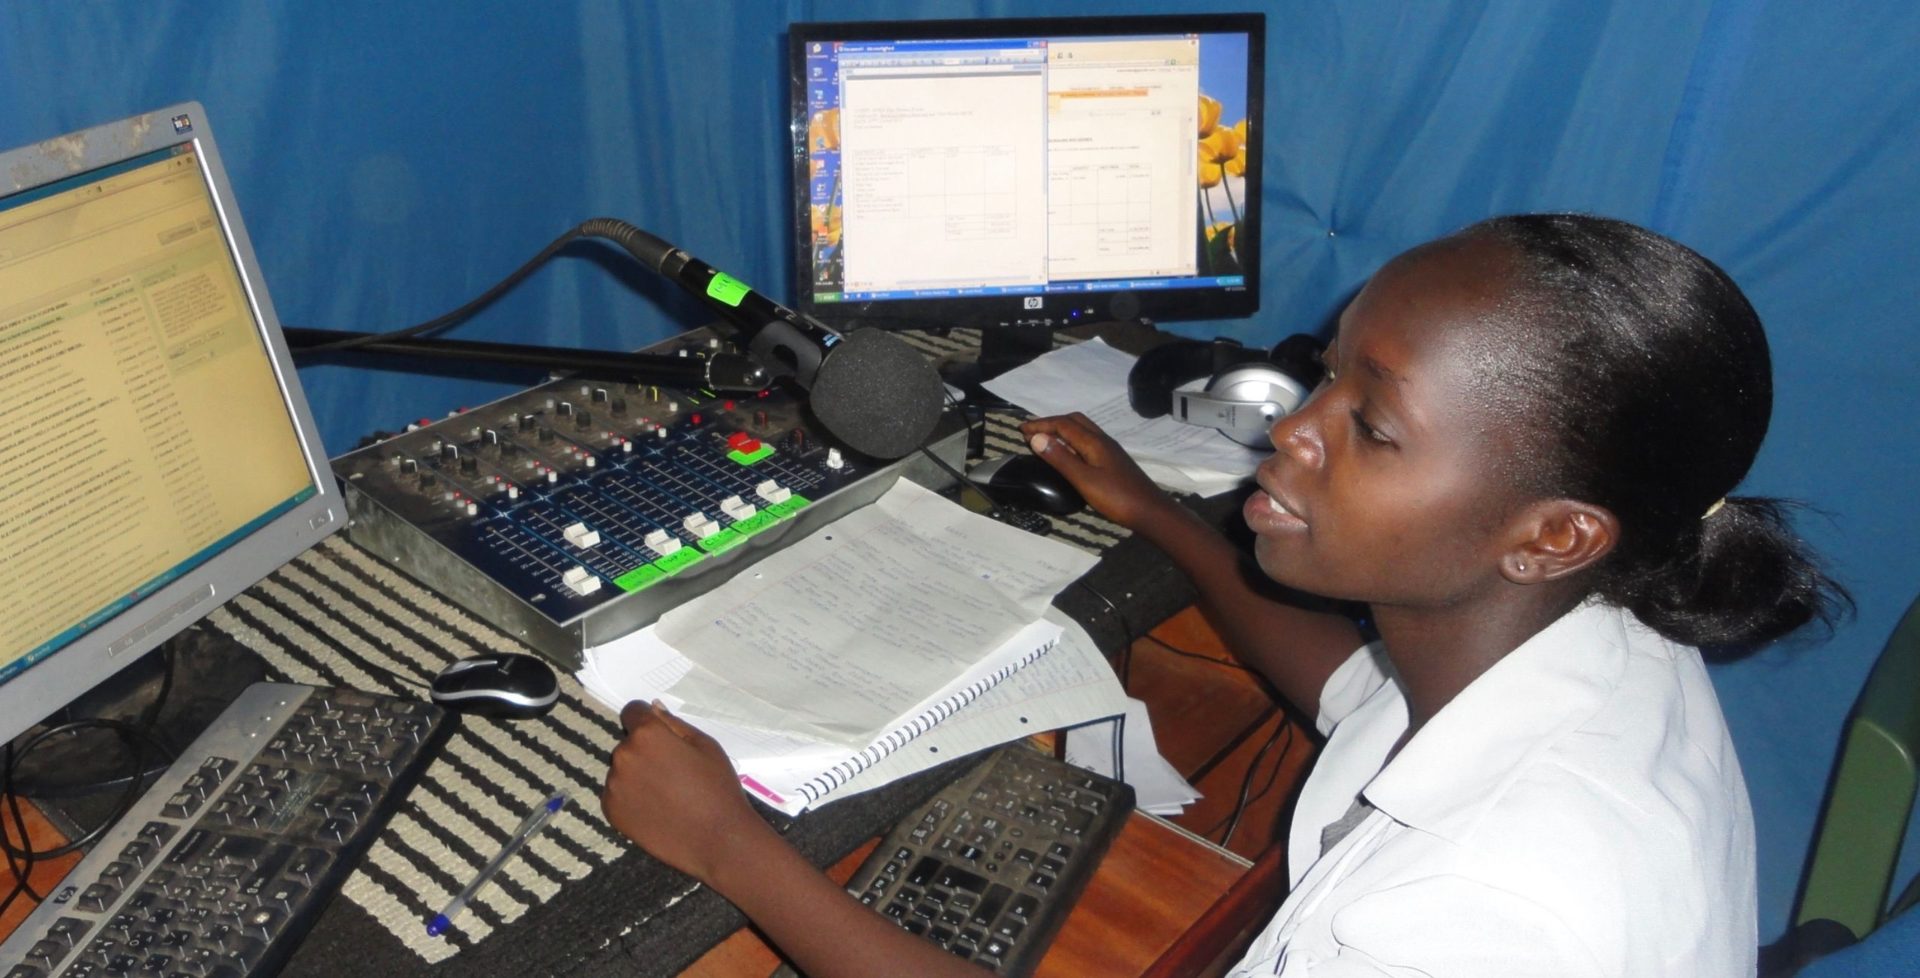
46 874
1155 881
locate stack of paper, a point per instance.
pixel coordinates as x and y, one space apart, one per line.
1091 378
827 657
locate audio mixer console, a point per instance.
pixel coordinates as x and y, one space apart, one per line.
574 512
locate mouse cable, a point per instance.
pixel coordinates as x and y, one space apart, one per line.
965 484
399 679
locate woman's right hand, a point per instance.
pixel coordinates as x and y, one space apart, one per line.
1106 476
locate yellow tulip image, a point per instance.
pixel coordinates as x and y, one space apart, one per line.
1216 150
1222 153
1209 115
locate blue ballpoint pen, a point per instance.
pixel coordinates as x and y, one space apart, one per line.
538 817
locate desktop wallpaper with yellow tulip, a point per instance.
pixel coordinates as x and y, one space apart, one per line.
1224 140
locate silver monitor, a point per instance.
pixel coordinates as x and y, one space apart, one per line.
156 453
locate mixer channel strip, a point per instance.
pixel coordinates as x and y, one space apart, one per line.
578 511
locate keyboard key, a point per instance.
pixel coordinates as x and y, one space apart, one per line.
227 874
970 846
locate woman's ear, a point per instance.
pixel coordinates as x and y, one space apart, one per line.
1557 538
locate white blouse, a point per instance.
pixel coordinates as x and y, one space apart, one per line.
1578 810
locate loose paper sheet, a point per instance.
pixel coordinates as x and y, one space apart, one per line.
1091 378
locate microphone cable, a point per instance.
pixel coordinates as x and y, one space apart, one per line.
474 305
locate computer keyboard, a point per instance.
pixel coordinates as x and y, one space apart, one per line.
229 857
989 868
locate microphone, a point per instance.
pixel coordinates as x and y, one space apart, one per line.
869 389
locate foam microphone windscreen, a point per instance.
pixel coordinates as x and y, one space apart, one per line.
877 394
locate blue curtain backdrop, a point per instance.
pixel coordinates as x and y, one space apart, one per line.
392 160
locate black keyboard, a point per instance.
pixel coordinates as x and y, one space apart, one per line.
989 868
233 852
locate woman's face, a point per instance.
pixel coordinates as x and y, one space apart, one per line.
1384 486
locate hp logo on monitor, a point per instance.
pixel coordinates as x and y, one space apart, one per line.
1031 302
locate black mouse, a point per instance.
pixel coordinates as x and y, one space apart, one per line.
498 684
1023 479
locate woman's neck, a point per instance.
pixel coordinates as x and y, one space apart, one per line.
1439 652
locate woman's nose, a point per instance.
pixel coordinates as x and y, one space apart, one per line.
1298 435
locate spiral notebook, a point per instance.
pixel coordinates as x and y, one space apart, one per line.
832 654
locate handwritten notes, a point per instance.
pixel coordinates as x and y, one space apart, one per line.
837 650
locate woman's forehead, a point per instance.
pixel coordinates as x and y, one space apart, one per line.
1442 295
1435 328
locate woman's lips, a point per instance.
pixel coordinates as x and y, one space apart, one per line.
1266 513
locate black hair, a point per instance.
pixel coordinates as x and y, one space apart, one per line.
1650 376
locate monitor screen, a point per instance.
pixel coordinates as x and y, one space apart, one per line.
158 455
1027 172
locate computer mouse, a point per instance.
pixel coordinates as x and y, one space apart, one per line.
497 684
1023 479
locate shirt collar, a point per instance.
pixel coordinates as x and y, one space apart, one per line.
1453 770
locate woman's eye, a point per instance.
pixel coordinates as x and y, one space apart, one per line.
1367 431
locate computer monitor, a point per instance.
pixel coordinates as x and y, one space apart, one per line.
1036 172
156 452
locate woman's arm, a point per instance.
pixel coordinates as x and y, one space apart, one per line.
671 789
1295 648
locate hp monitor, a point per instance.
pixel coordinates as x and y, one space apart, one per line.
1027 172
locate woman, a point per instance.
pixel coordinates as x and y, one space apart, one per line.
1519 463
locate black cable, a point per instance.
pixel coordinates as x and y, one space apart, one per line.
479 302
136 739
1273 773
150 717
1240 806
1188 653
20 866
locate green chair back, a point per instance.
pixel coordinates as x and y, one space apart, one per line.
1865 819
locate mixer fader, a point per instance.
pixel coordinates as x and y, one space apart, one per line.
574 512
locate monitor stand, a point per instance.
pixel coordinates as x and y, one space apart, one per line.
1002 348
73 772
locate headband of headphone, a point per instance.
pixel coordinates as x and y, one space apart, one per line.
1246 389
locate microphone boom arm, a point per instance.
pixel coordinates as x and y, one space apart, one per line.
721 372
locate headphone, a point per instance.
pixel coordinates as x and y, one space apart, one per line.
1245 390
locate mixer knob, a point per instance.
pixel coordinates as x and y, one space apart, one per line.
469 466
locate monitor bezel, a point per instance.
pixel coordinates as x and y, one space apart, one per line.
1058 309
70 671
